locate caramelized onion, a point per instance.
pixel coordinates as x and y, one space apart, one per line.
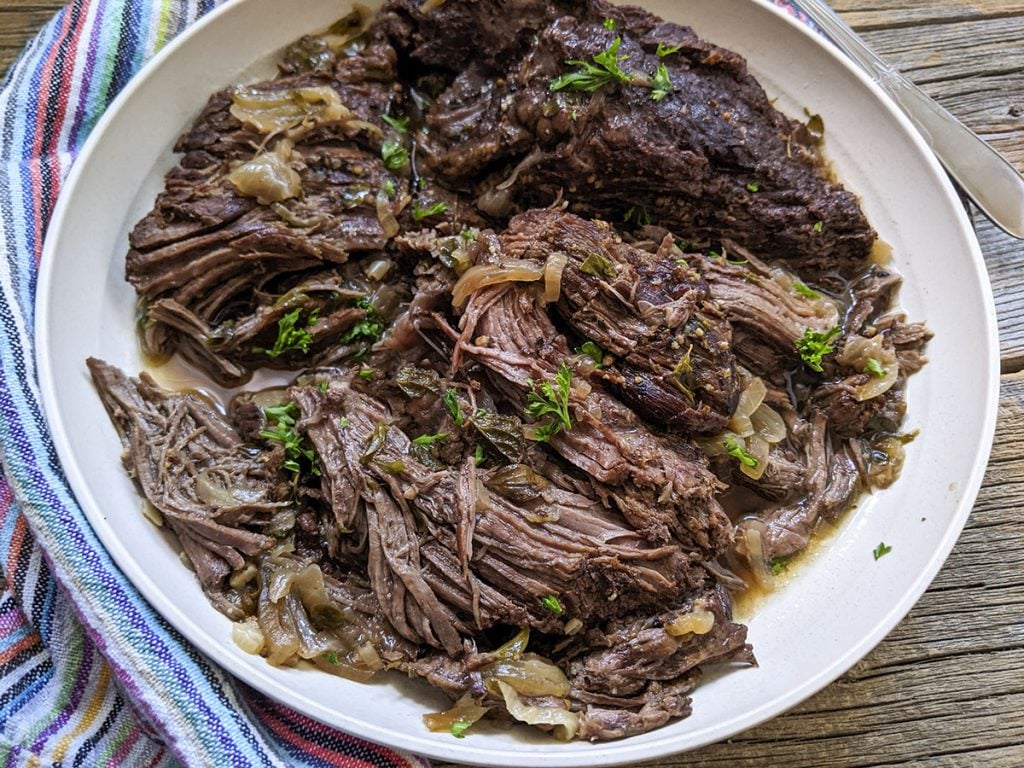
270 111
697 622
465 710
475 278
856 353
564 723
768 424
247 635
553 269
750 400
530 675
267 177
757 447
753 543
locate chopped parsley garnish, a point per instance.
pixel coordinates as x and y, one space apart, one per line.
778 565
366 373
343 422
479 457
394 155
661 84
814 345
425 213
599 266
738 262
289 337
881 550
369 329
592 75
714 255
451 401
594 352
735 450
551 402
803 290
428 440
280 429
400 124
459 728
608 24
753 187
323 386
818 226
553 604
875 368
667 50
389 188
638 215
331 657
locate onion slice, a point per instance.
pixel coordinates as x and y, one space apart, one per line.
553 269
482 275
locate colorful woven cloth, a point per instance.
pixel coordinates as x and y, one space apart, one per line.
90 675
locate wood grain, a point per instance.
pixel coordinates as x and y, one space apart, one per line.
946 688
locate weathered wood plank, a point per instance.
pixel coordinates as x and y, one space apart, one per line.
895 14
946 688
20 20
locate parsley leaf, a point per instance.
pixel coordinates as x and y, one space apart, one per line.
553 402
424 213
778 565
428 440
814 345
594 352
280 429
459 728
667 50
881 550
599 266
451 401
875 368
368 329
608 23
394 155
818 226
638 215
400 124
389 188
331 657
661 84
590 76
753 187
803 290
553 604
479 457
735 450
291 338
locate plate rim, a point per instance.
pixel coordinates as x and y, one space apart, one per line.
609 753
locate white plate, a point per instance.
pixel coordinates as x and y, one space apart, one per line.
837 607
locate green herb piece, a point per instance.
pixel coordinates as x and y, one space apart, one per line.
323 386
459 728
418 382
331 657
875 368
451 401
803 290
289 337
733 449
479 457
425 213
881 550
375 442
778 565
590 76
714 255
369 329
753 187
428 440
815 127
738 262
553 402
599 266
280 422
681 262
608 24
343 422
468 235
553 604
594 352
366 373
814 345
504 433
637 215
819 225
662 84
389 188
394 155
667 50
400 124
395 467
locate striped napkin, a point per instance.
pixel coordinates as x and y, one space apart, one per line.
90 675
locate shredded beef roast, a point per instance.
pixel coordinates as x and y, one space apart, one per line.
573 363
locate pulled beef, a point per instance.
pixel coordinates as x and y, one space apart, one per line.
217 495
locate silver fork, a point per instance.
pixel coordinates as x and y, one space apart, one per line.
981 172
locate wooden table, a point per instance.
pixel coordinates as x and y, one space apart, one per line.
946 688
